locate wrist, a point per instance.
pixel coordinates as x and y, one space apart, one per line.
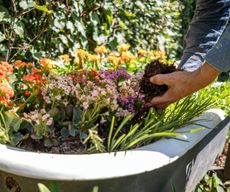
204 75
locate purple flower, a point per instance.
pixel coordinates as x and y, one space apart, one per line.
120 74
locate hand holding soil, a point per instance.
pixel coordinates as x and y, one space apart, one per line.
179 84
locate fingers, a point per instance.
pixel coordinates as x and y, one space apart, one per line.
157 79
161 102
161 79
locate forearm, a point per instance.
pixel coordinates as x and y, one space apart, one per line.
182 83
203 76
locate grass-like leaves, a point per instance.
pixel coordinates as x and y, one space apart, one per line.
156 125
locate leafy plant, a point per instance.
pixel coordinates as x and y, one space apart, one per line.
75 99
211 182
34 29
155 125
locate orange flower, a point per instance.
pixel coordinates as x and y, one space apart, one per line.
5 70
19 64
81 53
6 90
142 52
114 54
93 58
6 93
127 56
47 64
113 59
76 61
65 57
6 67
160 55
101 49
36 70
123 47
33 78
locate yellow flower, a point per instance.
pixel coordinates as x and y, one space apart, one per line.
127 56
114 54
93 58
161 55
113 59
76 61
81 53
48 64
142 52
101 49
65 57
123 47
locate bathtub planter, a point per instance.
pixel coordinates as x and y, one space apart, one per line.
157 167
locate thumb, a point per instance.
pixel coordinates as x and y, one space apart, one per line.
160 79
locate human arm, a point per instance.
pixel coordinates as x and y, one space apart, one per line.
182 83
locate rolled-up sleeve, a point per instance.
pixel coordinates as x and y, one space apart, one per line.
219 55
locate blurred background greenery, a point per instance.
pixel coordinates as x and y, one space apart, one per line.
31 29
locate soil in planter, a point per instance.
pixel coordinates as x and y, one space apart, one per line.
149 89
63 146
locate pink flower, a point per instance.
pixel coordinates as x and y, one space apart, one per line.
94 93
85 105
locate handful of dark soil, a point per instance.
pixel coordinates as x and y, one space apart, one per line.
149 89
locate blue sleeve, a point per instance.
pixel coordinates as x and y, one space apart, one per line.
219 55
207 26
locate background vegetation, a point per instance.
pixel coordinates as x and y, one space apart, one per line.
31 29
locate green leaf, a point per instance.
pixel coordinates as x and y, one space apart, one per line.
43 188
2 37
64 132
77 114
4 15
108 15
13 121
53 186
94 18
25 4
64 39
48 143
95 189
80 28
110 134
19 28
70 26
43 8
16 138
140 5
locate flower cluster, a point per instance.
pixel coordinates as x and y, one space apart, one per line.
74 93
116 76
6 91
40 121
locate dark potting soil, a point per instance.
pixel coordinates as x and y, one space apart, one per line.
149 89
67 146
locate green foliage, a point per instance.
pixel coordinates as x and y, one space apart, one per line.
211 182
220 92
53 187
155 125
34 29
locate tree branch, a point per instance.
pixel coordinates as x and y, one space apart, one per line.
14 8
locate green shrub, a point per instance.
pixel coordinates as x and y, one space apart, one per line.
32 29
